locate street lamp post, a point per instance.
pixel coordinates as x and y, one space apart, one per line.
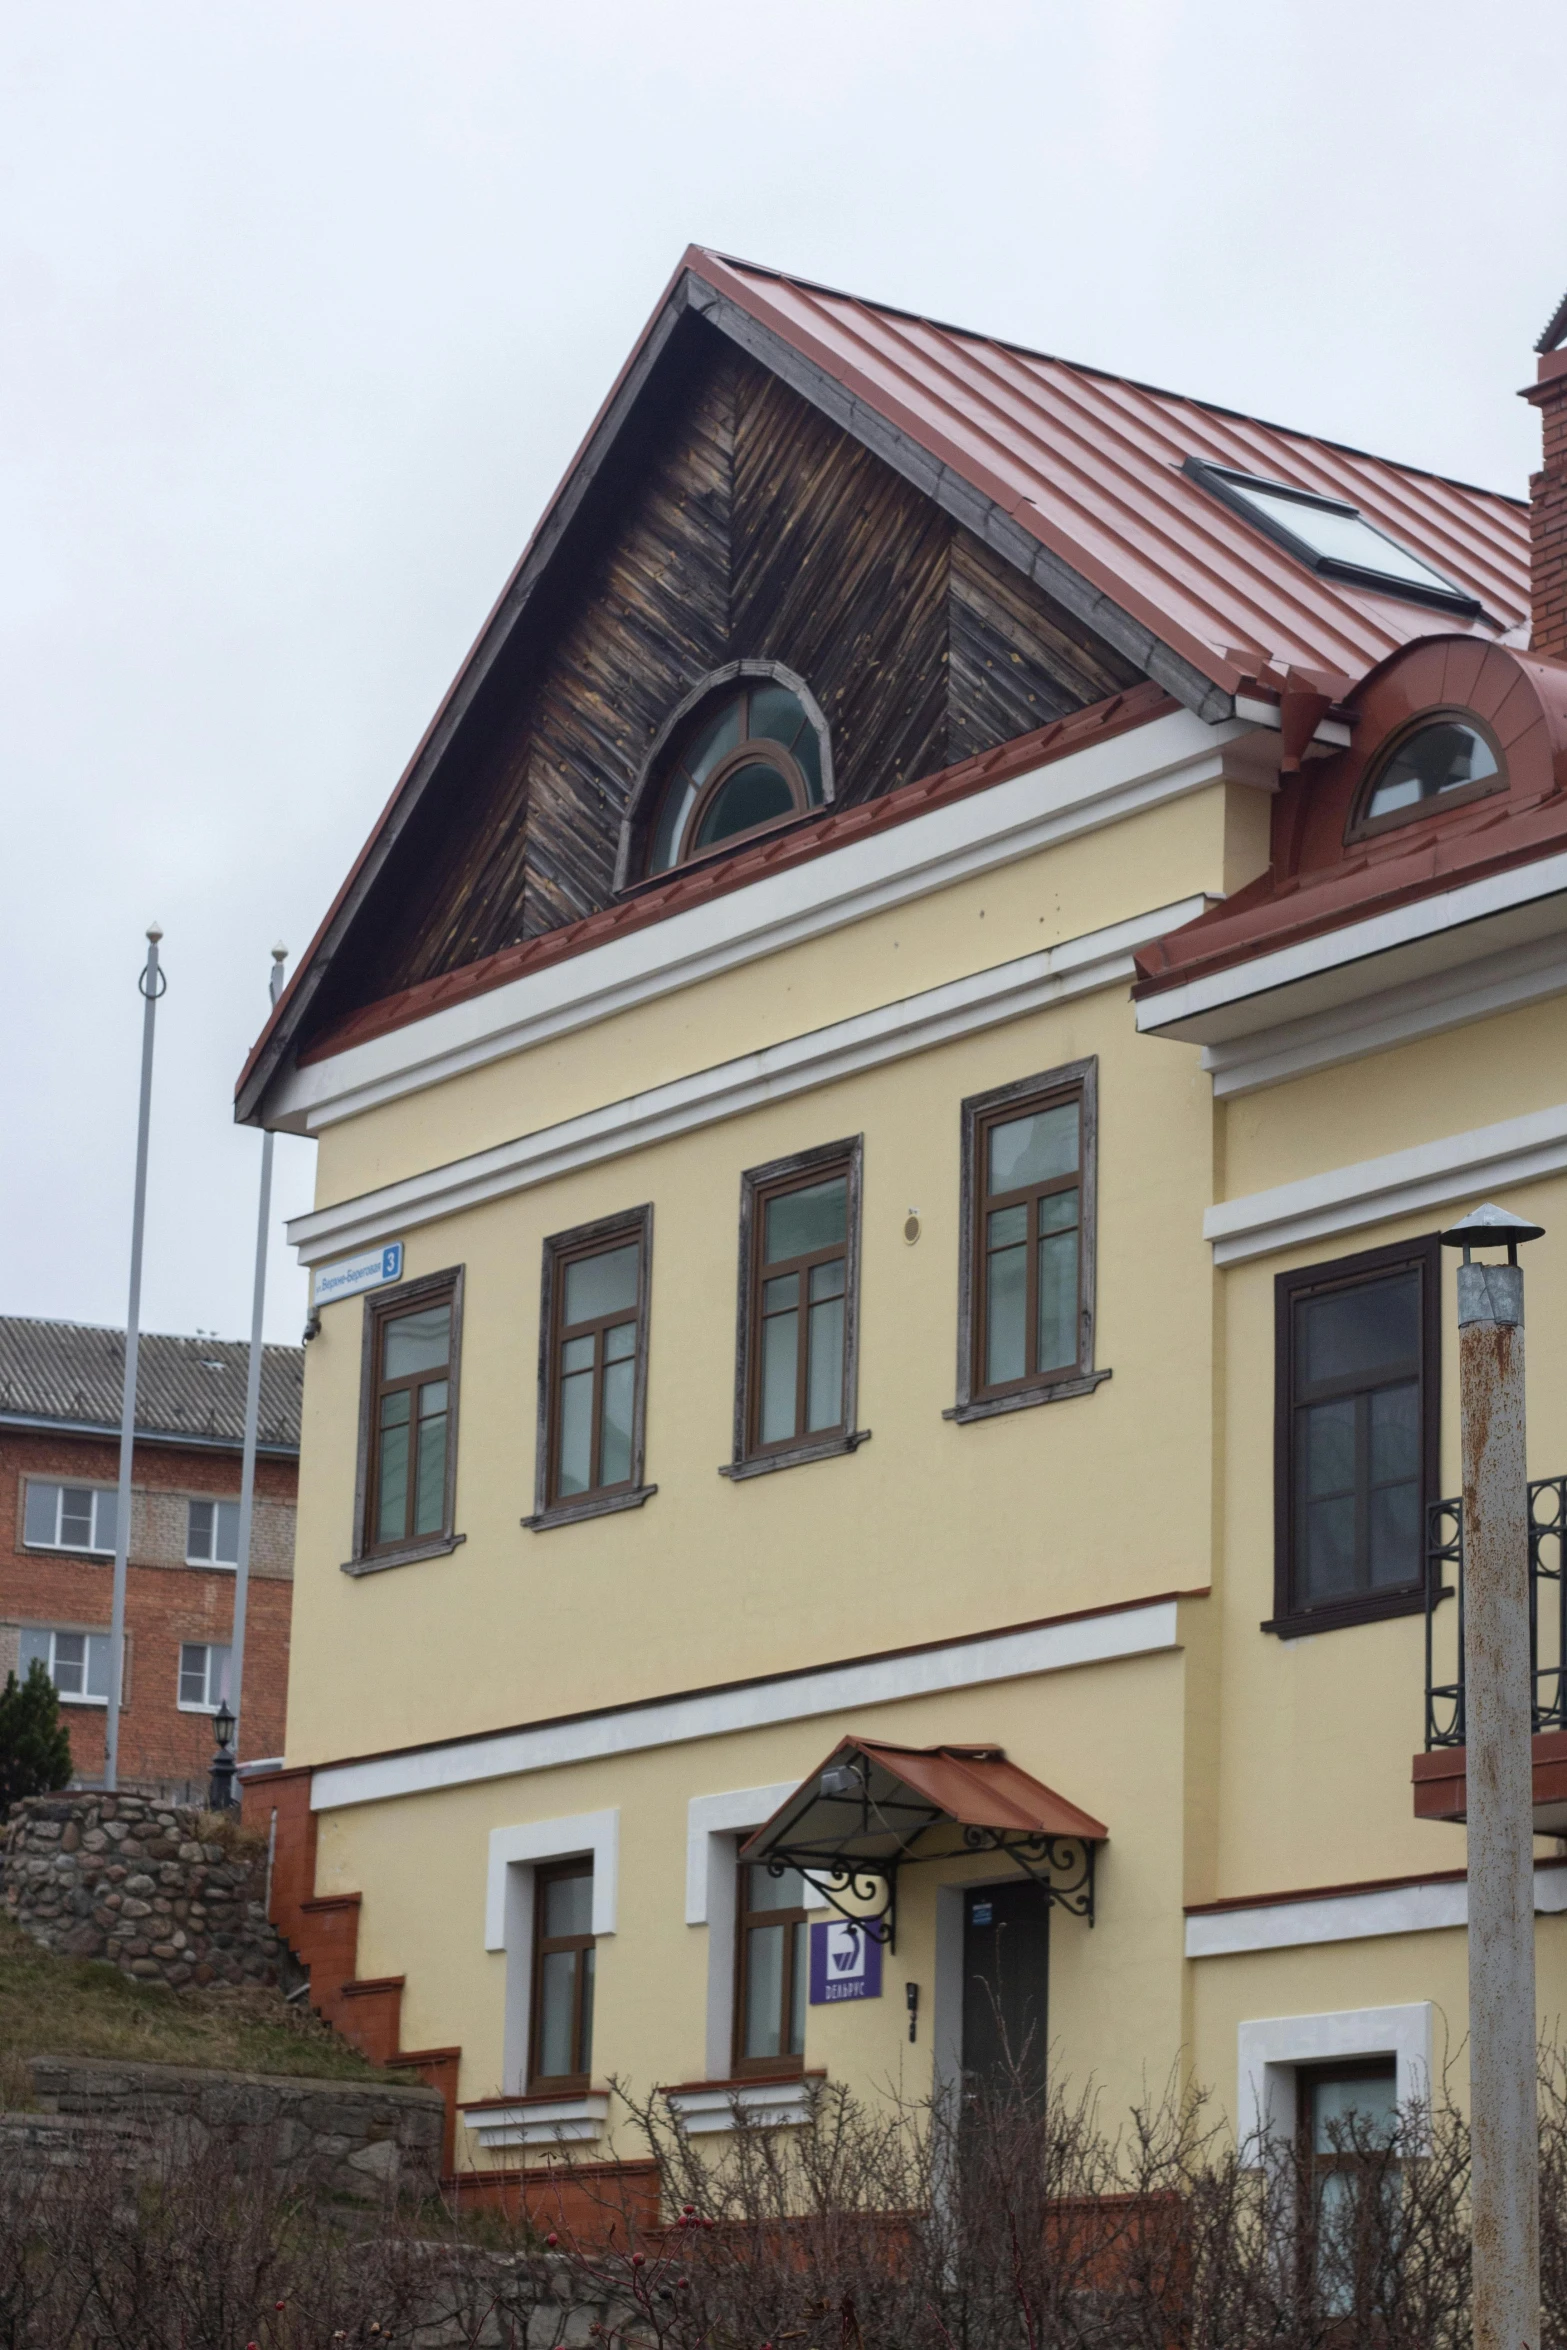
1499 1720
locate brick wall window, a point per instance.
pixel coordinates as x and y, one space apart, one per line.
212 1534
76 1662
204 1677
70 1517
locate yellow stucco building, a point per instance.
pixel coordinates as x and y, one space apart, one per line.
884 1091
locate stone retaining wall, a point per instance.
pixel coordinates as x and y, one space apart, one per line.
350 2138
125 1878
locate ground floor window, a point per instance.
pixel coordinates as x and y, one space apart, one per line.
76 1662
772 1971
204 1677
1347 2122
561 2056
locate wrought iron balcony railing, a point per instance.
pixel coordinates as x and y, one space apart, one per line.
1547 1613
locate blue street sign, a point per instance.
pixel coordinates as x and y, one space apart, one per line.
371 1270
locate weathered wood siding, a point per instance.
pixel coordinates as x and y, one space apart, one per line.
751 526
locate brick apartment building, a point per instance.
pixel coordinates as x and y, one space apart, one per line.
60 1393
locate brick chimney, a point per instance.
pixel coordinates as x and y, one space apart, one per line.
1548 495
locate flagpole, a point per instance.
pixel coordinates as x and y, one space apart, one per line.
247 1475
152 982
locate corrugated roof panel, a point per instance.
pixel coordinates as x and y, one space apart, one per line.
1091 464
73 1373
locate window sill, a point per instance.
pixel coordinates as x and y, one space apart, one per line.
216 1566
538 2121
439 1546
1024 1398
70 1550
704 2108
1342 1614
794 1456
71 1697
591 1505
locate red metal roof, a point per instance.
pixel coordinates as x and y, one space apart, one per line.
1087 463
975 1786
1090 464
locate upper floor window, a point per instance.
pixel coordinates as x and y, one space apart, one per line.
212 1534
1444 760
593 1369
408 1423
70 1517
1026 1318
1356 1435
76 1662
747 760
204 1676
799 1278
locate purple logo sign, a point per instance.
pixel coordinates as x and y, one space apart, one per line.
845 1963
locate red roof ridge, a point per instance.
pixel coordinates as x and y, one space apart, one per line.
831 828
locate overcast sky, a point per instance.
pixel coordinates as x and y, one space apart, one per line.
305 308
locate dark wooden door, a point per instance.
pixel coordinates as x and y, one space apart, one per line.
1006 1977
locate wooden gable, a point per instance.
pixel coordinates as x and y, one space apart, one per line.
736 521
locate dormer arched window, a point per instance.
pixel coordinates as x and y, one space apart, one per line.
1445 758
747 752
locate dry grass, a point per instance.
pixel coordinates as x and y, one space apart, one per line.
81 2007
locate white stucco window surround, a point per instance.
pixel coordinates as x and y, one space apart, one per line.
538 2121
715 1826
1270 2049
515 1853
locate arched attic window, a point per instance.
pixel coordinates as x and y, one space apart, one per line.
1442 760
746 752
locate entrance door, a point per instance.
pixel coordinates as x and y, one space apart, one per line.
1006 1975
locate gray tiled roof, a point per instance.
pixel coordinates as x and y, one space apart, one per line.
72 1374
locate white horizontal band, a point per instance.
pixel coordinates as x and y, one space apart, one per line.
1430 1005
966 1664
1224 1004
1403 1183
1351 1917
868 1040
1142 768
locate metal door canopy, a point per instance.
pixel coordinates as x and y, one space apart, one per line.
872 1809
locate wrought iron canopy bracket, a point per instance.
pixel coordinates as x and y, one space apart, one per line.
1062 1866
834 1883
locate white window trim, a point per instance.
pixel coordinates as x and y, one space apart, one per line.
714 1825
214 1565
59 1485
515 1854
1270 2049
86 1632
183 1705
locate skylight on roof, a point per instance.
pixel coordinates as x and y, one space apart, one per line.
1334 538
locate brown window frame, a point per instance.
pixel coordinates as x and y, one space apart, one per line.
1291 1617
1312 2165
383 1306
560 1250
976 1400
557 2084
759 1186
787 2067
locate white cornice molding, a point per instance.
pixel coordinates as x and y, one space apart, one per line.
1098 785
963 1007
856 1687
1462 925
1430 1006
1351 1917
1486 1160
